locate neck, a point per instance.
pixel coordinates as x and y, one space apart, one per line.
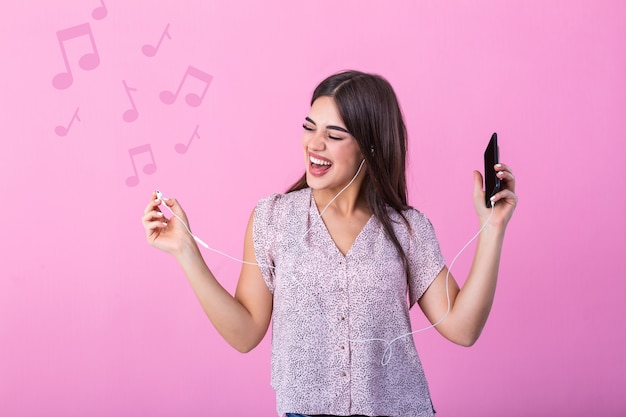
345 200
345 203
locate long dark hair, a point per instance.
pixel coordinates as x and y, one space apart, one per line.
369 108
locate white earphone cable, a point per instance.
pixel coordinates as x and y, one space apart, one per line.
387 353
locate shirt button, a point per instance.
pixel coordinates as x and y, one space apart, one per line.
342 347
343 373
342 318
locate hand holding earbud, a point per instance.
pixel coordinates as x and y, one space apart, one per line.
169 235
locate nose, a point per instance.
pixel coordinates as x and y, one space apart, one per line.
316 140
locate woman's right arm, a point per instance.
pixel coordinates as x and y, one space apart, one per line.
242 319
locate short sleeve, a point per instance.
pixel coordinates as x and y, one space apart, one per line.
263 237
425 257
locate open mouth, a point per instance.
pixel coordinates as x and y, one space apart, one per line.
319 166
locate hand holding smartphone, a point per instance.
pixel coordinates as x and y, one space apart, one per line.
492 157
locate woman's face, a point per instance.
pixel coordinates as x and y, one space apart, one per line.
331 153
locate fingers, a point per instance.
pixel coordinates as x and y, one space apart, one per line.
153 218
177 211
155 202
153 221
478 185
505 174
152 210
507 193
504 194
153 215
170 235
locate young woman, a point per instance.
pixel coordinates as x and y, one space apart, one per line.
331 263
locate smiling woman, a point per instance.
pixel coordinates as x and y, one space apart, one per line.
331 152
331 262
368 108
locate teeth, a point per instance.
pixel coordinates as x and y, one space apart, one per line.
318 161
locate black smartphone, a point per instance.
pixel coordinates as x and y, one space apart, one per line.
492 157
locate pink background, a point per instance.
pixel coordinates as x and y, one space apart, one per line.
95 322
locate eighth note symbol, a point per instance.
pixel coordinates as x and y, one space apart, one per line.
181 147
62 130
149 50
192 99
130 115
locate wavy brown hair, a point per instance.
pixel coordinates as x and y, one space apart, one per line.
370 111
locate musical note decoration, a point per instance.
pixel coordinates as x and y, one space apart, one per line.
88 61
63 130
149 168
191 99
182 148
131 114
100 12
150 50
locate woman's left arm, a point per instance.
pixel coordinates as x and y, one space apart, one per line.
470 305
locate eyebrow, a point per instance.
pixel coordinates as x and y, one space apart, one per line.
333 127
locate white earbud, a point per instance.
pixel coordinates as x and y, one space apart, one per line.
159 195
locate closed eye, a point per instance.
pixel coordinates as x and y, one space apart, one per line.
334 137
309 125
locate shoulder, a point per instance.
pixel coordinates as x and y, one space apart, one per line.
279 201
277 215
411 217
416 217
279 205
411 225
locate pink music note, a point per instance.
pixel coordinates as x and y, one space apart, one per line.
130 115
148 168
149 50
87 62
100 12
192 99
62 130
181 147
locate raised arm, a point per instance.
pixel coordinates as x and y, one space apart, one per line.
470 305
242 319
